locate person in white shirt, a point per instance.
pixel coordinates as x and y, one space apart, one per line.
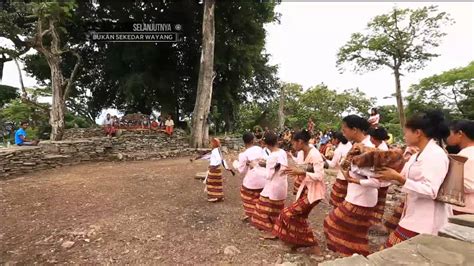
339 188
108 124
462 136
254 174
214 181
273 196
292 225
374 118
346 227
421 178
169 124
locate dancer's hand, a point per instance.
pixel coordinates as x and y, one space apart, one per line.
389 174
349 178
293 170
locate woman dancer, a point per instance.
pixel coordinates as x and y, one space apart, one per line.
292 225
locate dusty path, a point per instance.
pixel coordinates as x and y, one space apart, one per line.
151 212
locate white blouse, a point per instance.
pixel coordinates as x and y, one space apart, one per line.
425 172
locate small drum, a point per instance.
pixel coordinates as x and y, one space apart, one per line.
452 189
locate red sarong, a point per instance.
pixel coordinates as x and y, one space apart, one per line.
214 184
296 185
292 224
169 130
249 199
399 235
110 130
266 212
346 229
338 192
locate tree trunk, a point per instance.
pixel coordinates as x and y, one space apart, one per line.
200 128
24 95
56 118
398 93
281 108
205 137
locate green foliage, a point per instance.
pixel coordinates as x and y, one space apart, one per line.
73 121
325 106
395 129
17 111
7 93
403 39
37 115
452 90
32 133
142 77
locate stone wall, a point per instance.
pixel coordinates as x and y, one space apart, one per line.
98 132
232 143
89 144
52 154
83 133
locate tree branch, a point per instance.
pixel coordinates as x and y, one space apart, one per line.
42 107
73 75
456 100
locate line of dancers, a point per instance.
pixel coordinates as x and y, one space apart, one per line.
357 195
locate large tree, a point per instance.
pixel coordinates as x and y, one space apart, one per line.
49 38
200 125
146 77
402 40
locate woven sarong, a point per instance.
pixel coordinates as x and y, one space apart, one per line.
346 229
338 192
292 224
266 212
214 184
399 235
249 199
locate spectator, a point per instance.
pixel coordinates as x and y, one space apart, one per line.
154 124
169 125
374 118
109 127
310 126
20 136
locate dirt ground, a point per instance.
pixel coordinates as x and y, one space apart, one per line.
149 212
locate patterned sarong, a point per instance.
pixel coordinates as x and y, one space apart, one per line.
346 229
266 212
338 192
292 224
399 235
249 199
296 185
214 184
380 207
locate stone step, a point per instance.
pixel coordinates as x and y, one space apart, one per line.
458 232
465 219
426 250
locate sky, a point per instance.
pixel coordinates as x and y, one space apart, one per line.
304 45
